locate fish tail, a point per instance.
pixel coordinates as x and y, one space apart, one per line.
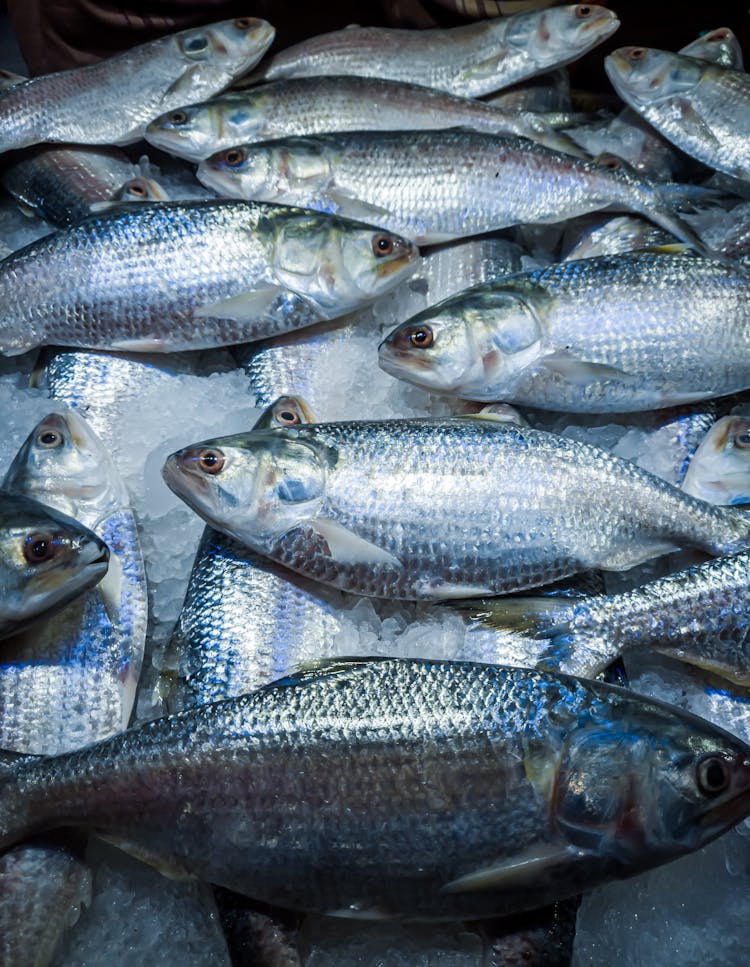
733 534
658 209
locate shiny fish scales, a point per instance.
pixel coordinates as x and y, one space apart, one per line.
400 508
163 277
327 792
112 101
609 334
470 60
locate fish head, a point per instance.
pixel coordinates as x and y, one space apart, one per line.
285 411
141 189
254 486
719 470
653 782
465 343
64 464
215 54
46 559
555 36
195 130
645 76
718 46
338 264
271 171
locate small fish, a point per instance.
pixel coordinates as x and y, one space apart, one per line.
470 60
327 791
720 469
112 101
554 338
209 273
400 509
316 105
701 108
433 186
46 560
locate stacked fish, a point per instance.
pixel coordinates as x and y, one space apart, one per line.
475 753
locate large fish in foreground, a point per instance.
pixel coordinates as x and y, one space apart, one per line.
172 276
437 508
419 790
617 333
112 101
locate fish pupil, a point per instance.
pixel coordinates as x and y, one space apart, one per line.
38 548
49 439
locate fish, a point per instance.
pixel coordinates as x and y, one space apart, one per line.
626 233
699 107
162 277
327 791
315 105
720 469
46 560
399 509
73 680
719 46
42 891
554 338
433 186
111 102
470 61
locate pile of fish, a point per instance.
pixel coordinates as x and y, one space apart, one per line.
417 671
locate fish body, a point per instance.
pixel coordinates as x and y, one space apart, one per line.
315 105
400 509
328 791
554 338
470 60
431 186
112 101
701 108
46 560
170 276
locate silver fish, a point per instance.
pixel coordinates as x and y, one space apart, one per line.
347 504
327 791
46 560
170 276
42 890
554 338
701 108
719 46
720 469
112 101
470 60
73 681
433 186
315 105
626 233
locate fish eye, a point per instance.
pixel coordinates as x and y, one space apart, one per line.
38 548
234 157
742 439
211 461
137 189
718 35
287 416
178 117
610 161
637 53
712 774
243 23
422 337
49 439
382 245
583 11
196 44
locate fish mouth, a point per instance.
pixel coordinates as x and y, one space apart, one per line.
603 24
409 257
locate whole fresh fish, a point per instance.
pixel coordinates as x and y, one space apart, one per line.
42 890
170 276
400 508
554 338
327 791
701 108
112 101
65 185
73 680
46 560
470 60
433 186
315 105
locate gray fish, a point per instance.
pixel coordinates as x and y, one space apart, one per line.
470 60
554 338
170 276
399 509
701 108
46 560
315 105
112 101
327 791
433 186
73 680
42 890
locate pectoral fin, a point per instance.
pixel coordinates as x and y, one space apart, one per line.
693 124
144 345
356 207
487 67
515 871
581 372
171 869
348 548
245 307
184 83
